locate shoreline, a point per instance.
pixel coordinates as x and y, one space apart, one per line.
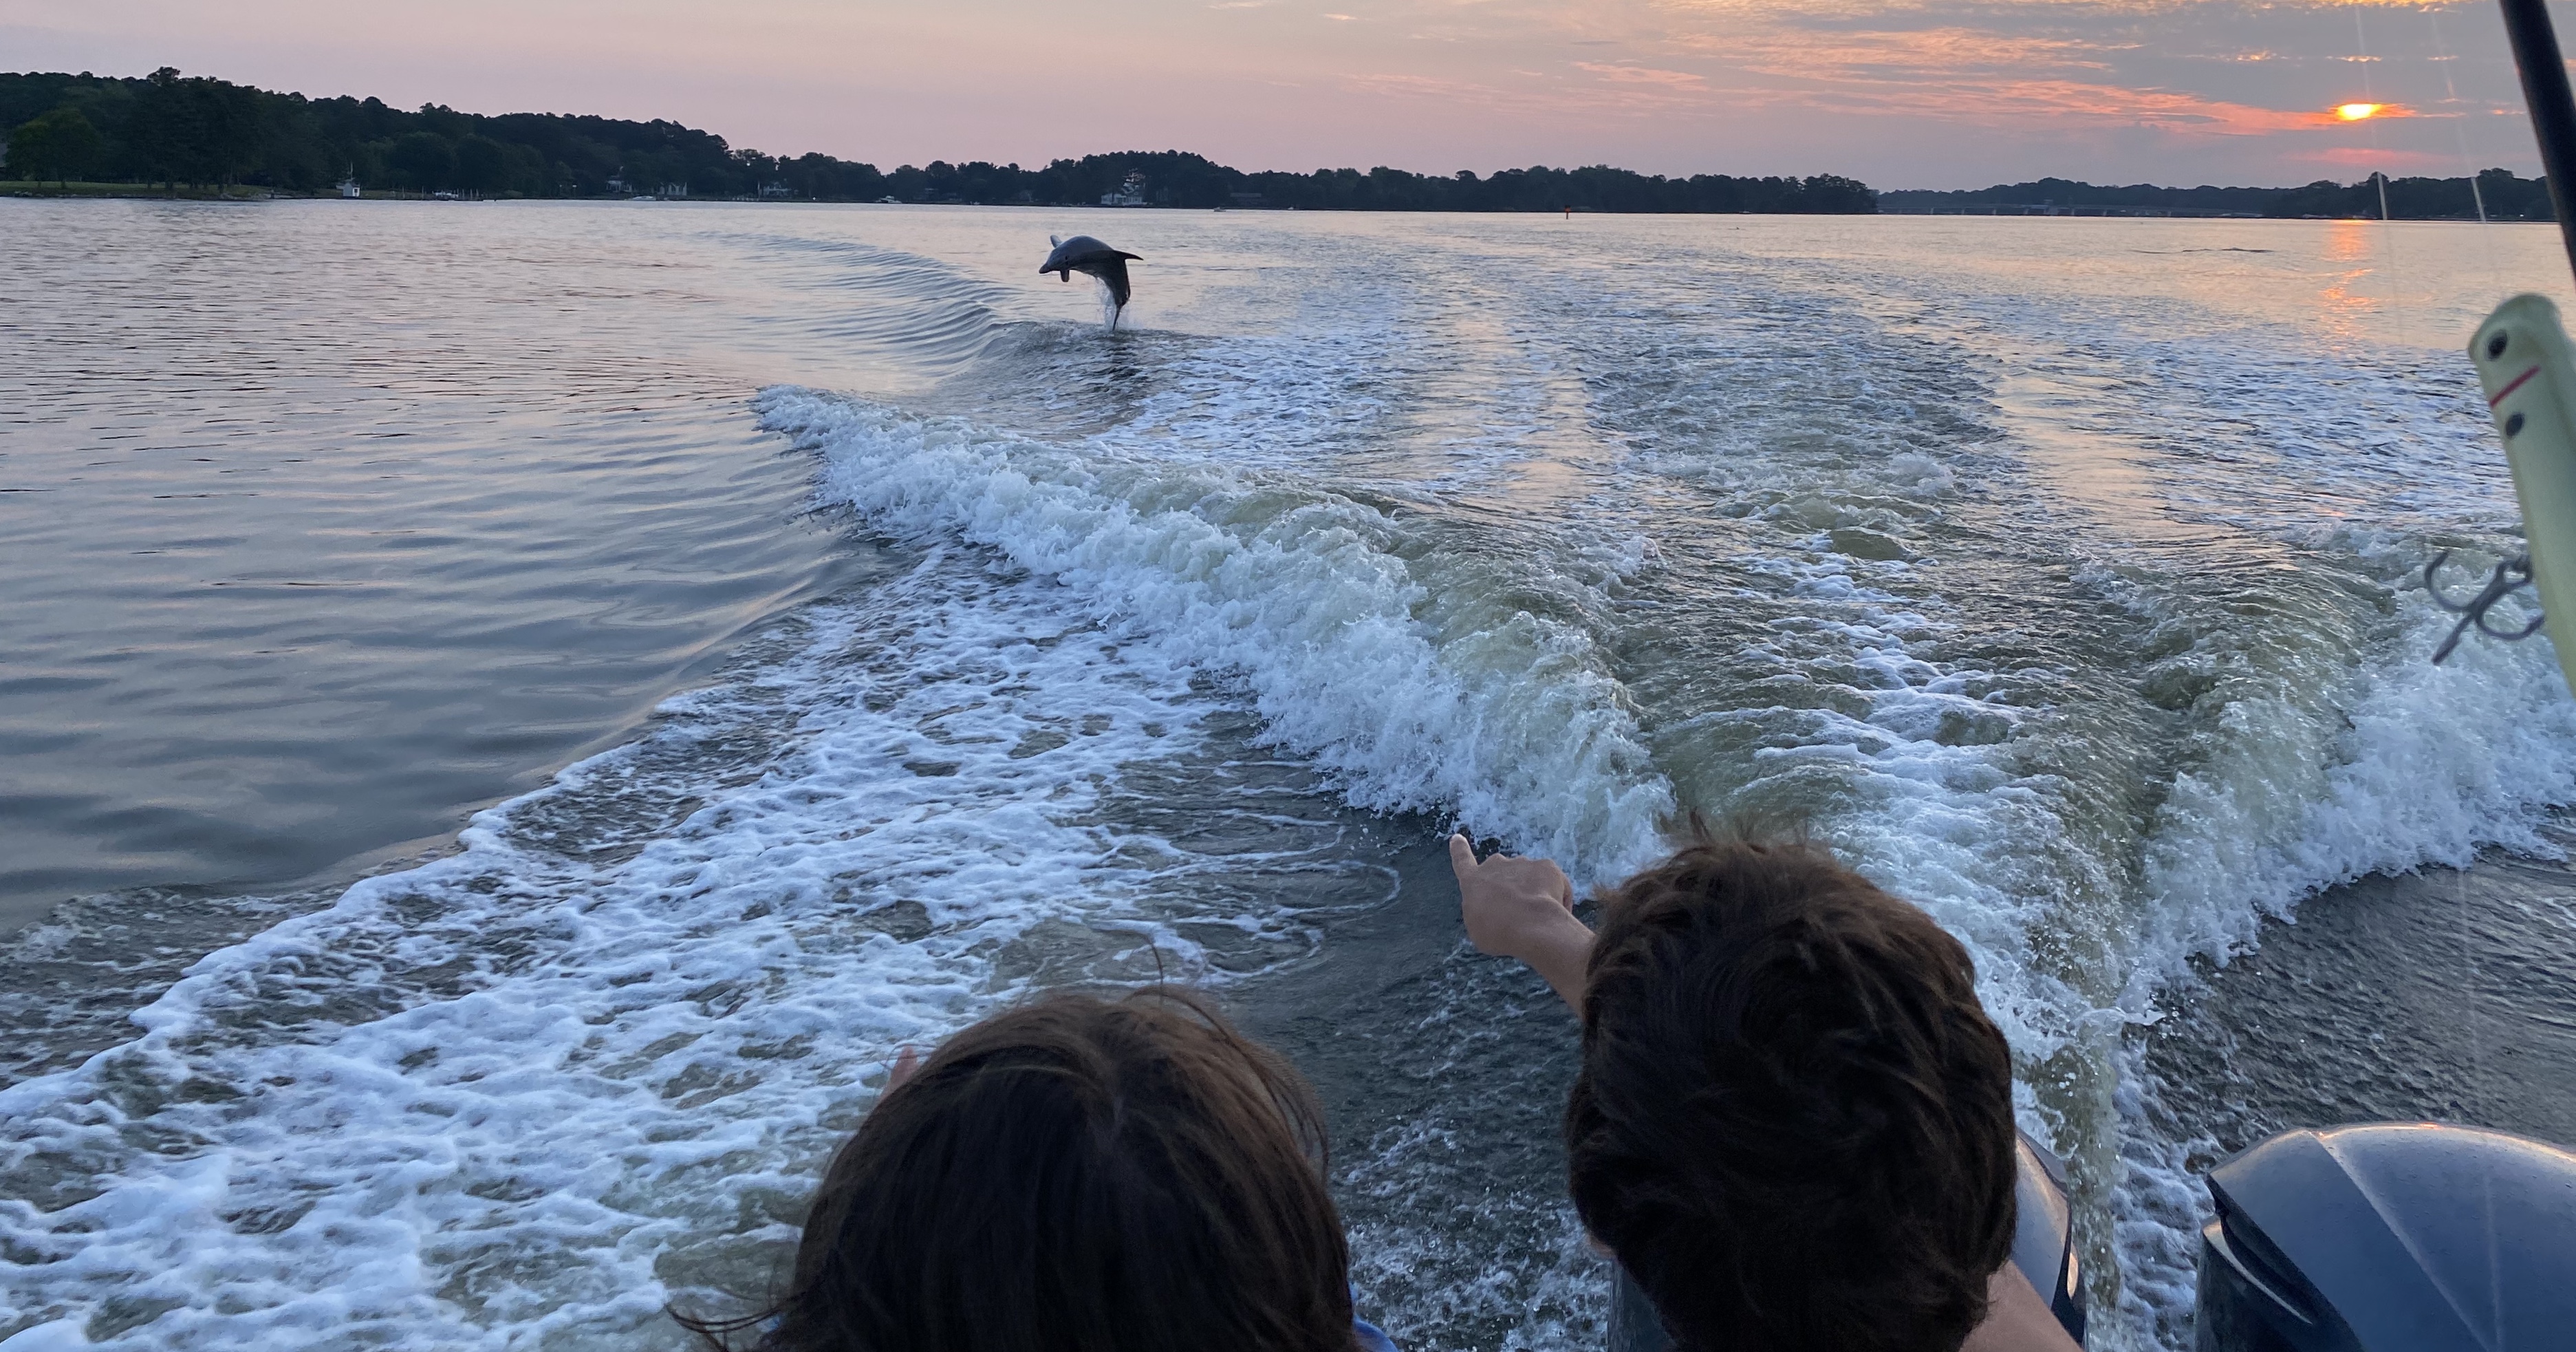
244 194
236 193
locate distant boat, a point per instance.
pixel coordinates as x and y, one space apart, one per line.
647 197
888 201
442 195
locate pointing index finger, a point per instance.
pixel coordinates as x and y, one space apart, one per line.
1462 856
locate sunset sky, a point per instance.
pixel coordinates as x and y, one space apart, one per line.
1923 93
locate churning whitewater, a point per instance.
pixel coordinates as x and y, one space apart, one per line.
2078 602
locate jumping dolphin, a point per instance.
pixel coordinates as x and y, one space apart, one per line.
1084 254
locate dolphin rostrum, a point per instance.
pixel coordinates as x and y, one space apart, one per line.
1084 254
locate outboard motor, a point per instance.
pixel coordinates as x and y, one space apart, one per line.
2043 1248
2391 1237
2044 1235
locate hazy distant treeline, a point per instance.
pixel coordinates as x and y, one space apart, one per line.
2507 198
166 128
1177 178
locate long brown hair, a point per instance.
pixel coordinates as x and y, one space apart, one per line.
1076 1175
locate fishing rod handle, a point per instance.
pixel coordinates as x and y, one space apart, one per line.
2528 369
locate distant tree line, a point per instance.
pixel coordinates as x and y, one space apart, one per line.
169 129
1180 179
2506 198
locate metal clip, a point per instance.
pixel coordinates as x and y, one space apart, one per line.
2509 577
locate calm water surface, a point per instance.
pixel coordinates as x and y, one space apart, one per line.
324 530
867 637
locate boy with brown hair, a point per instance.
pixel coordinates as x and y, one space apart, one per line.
1793 1124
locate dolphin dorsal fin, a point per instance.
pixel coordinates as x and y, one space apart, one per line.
1054 240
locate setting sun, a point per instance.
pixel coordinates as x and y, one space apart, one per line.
2354 112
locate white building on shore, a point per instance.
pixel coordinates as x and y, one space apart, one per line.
1129 194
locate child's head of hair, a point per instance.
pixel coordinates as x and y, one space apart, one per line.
1079 1175
1793 1123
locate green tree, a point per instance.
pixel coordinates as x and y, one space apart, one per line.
650 173
423 160
58 145
230 115
482 164
164 126
194 129
1837 194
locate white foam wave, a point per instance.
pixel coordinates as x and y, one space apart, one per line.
2408 764
531 1093
1514 727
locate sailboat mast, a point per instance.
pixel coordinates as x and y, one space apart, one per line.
2552 104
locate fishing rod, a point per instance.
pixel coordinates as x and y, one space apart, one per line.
2527 368
2552 104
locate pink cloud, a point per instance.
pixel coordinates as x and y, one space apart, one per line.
2011 103
2363 159
1946 51
1616 90
1645 75
1987 79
